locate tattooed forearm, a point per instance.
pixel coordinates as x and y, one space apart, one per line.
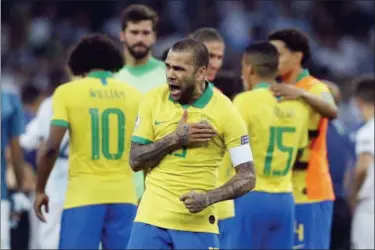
144 157
240 184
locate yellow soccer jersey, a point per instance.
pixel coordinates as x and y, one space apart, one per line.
190 168
277 131
299 177
100 113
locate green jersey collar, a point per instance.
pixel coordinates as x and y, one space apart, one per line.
262 85
203 100
302 75
100 74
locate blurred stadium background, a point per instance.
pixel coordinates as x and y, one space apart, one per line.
35 36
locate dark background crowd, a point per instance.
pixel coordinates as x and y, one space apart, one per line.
35 36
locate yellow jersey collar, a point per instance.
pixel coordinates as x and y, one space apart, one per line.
100 74
304 73
262 85
203 100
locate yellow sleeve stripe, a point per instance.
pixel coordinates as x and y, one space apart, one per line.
60 123
140 140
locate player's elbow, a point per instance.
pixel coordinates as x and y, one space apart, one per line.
332 113
247 174
134 162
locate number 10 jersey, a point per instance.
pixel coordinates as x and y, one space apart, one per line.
100 113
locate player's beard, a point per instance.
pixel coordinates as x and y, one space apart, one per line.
138 55
187 92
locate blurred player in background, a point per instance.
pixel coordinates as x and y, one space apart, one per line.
141 70
100 202
46 235
312 182
12 126
181 135
278 132
362 195
214 42
341 161
21 233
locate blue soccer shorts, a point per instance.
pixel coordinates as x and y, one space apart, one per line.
146 236
313 225
226 232
264 221
85 227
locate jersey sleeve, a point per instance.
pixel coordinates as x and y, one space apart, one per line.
17 122
322 90
236 137
59 107
364 141
143 130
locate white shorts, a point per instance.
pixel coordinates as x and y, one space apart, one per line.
363 226
5 230
46 235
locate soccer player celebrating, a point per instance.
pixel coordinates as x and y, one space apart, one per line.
312 182
214 42
141 70
362 195
99 112
182 134
278 130
12 125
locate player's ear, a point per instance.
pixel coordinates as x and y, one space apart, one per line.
201 73
298 55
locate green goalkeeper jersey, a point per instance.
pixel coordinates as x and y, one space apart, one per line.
145 78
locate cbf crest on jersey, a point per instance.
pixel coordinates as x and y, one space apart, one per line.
205 120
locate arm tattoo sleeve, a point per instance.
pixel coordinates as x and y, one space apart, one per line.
144 157
240 184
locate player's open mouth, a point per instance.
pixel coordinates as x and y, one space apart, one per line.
174 89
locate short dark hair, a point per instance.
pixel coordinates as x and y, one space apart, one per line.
365 89
263 57
165 54
30 93
207 34
137 13
95 51
294 40
199 51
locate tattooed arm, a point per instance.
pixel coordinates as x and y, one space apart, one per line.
146 156
240 184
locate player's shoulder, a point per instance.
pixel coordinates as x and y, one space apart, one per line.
157 63
316 85
125 86
46 103
366 131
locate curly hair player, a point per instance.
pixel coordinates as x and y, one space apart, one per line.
99 112
312 182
